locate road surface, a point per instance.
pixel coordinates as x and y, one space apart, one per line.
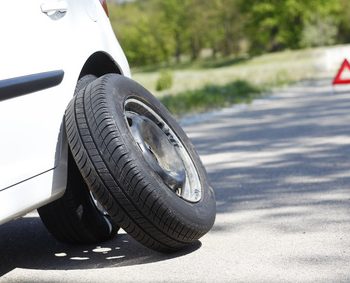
281 171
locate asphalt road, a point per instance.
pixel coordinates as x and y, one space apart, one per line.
281 171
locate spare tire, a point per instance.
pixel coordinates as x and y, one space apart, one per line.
139 163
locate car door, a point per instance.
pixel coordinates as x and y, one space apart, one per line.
34 41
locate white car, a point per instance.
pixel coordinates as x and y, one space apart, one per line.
82 142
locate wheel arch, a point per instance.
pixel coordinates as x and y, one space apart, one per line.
98 64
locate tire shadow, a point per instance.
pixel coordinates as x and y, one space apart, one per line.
25 243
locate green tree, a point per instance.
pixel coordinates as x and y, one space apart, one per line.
141 32
319 32
158 31
275 25
344 26
175 14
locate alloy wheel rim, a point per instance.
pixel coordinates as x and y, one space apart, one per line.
163 150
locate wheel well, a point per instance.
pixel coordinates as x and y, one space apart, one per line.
99 64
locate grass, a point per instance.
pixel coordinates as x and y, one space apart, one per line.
204 84
210 97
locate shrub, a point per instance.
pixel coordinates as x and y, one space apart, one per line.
165 80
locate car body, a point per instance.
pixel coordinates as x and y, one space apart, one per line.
46 46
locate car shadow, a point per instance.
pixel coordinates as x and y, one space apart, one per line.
25 243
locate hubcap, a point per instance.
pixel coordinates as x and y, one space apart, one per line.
163 150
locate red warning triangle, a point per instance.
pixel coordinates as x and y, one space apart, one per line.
343 75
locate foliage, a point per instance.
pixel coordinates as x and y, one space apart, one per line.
159 32
165 80
343 17
319 32
142 33
276 25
